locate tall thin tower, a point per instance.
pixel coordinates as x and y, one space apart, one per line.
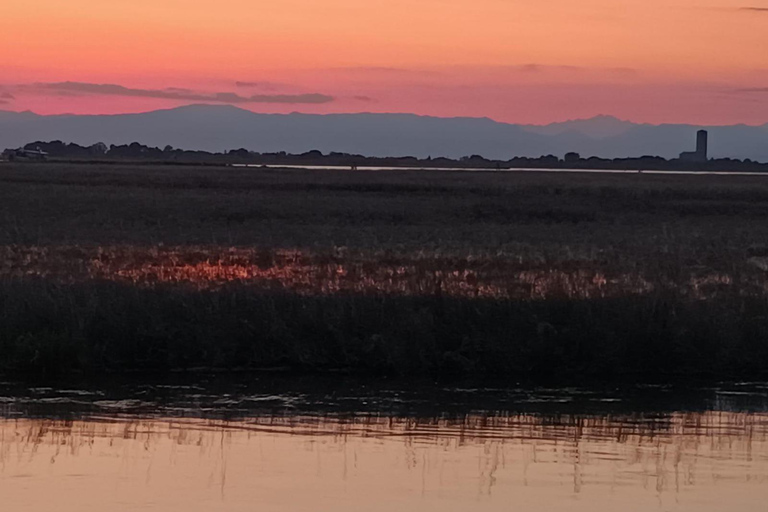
702 145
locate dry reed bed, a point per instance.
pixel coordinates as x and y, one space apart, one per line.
538 276
305 273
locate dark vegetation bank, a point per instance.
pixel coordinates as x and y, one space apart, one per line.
135 152
517 276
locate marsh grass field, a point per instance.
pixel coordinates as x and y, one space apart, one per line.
519 276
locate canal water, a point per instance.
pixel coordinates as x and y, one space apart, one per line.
287 445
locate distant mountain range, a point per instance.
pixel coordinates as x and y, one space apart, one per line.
220 128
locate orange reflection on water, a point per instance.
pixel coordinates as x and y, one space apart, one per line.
678 462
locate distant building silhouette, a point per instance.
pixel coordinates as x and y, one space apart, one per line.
700 155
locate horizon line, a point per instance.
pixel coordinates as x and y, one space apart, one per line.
234 107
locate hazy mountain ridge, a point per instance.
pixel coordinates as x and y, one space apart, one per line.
219 128
597 127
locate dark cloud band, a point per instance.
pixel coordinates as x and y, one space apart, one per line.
176 94
265 86
753 89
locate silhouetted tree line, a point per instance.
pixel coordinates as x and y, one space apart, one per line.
141 153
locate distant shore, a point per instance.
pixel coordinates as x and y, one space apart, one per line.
141 154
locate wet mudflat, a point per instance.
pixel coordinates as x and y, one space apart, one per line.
278 444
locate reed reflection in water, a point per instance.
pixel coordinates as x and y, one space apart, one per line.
683 461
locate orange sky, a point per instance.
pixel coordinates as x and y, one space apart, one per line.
537 61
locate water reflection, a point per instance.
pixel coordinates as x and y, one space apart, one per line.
373 461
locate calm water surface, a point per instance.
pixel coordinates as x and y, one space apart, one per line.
306 447
363 168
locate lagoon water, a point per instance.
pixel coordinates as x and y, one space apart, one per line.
502 169
303 447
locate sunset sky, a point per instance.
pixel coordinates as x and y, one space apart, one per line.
527 61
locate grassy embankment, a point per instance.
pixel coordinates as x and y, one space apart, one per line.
413 273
